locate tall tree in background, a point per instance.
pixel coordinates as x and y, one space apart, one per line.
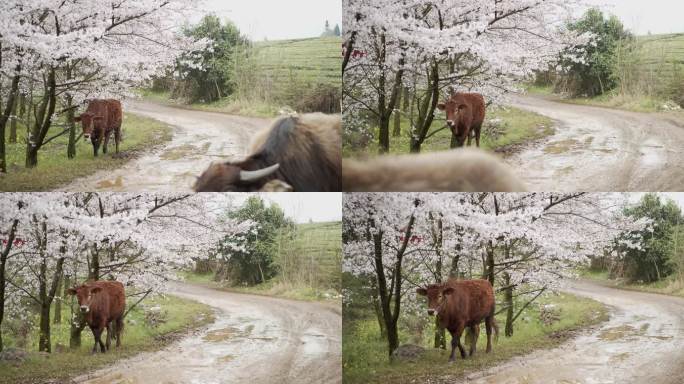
207 75
594 74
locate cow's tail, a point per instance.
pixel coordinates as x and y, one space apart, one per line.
496 329
119 324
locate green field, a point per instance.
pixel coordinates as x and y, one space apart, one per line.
308 267
55 169
365 360
662 56
516 127
315 60
139 335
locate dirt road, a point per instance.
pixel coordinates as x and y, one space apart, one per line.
600 149
199 138
643 342
255 339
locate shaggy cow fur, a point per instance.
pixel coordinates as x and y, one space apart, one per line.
463 170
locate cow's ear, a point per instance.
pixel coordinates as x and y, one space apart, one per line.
448 291
96 290
77 119
441 106
421 291
71 291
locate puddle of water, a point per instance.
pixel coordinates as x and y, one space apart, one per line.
106 184
224 334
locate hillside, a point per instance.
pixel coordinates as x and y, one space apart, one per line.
315 60
314 255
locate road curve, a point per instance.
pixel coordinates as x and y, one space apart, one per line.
643 342
199 138
601 149
255 339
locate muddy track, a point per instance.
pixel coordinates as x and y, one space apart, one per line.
199 138
602 149
643 342
255 339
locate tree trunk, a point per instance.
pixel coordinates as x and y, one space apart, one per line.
508 300
58 301
3 262
396 131
13 123
3 121
43 121
426 112
44 344
440 335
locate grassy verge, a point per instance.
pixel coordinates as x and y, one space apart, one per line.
229 105
272 287
518 127
633 103
670 286
365 359
181 316
55 169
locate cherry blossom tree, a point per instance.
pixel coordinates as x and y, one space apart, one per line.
75 50
137 239
428 48
524 244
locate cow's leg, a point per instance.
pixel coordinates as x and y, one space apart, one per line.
474 335
106 141
119 330
488 325
478 129
469 136
117 138
456 342
108 340
96 147
97 333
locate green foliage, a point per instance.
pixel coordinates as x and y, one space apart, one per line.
654 261
255 264
213 78
595 75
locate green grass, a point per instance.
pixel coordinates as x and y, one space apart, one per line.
315 60
365 360
182 315
55 169
520 127
668 286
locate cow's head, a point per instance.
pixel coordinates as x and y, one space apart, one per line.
227 177
87 121
453 108
436 295
84 294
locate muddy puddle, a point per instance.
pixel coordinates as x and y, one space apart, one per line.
253 340
641 343
199 138
598 149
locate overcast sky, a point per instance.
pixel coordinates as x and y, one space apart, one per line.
304 206
639 16
278 19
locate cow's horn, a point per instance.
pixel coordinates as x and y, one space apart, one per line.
258 174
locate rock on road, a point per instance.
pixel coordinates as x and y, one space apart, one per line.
199 138
643 342
602 149
255 339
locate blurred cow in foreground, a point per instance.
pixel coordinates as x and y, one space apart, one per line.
463 170
299 153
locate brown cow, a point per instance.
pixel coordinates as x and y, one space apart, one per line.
465 113
463 170
302 152
99 121
459 304
103 304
